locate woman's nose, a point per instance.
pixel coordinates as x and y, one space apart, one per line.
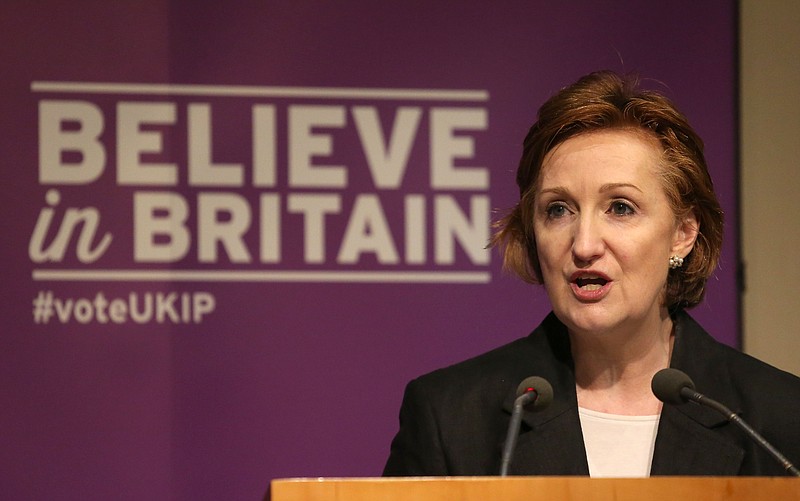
588 244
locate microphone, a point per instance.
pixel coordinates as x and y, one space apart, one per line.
535 391
672 386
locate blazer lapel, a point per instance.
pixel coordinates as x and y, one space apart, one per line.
687 446
551 446
550 440
689 441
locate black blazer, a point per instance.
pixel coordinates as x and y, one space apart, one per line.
453 421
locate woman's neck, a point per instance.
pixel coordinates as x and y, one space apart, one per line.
613 370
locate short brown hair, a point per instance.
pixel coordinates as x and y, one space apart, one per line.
606 100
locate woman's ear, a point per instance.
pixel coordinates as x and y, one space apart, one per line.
685 236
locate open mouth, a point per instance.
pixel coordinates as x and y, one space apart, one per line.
589 283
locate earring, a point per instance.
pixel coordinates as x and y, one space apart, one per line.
675 262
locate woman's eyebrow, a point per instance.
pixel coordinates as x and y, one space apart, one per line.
614 186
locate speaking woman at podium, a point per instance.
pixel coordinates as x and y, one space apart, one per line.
618 221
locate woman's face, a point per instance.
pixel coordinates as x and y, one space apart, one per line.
605 231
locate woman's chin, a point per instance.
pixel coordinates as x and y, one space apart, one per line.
589 320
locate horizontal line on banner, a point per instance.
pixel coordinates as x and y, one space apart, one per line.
258 91
443 277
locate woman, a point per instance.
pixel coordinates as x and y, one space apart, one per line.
618 220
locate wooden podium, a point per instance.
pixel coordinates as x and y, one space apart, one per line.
537 489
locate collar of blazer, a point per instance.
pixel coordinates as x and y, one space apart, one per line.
691 438
687 442
697 354
550 441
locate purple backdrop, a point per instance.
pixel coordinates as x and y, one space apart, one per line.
236 379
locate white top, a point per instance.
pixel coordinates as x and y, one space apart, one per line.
617 445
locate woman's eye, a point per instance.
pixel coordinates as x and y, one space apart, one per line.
556 210
621 209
